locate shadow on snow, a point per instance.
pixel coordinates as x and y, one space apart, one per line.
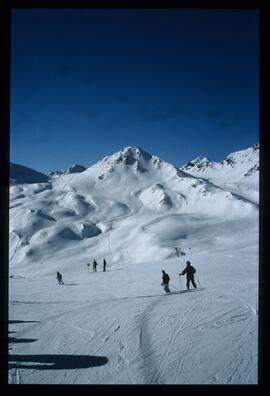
22 321
56 362
13 340
153 295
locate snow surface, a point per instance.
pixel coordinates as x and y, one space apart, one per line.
118 326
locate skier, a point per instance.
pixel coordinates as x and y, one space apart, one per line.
165 281
59 278
95 266
104 265
88 265
190 271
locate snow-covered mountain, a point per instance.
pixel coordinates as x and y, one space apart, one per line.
130 184
238 172
75 168
134 208
23 175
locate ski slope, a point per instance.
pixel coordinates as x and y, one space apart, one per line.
118 326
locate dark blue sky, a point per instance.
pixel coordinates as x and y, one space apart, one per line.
178 83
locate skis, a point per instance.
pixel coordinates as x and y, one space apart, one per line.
185 291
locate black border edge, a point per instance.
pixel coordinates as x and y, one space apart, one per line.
5 38
264 184
264 276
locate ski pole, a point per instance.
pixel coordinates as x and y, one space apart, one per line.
197 280
180 282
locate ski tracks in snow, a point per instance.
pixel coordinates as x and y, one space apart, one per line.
199 309
158 358
192 313
92 333
146 340
245 304
164 350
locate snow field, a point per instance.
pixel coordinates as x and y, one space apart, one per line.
202 336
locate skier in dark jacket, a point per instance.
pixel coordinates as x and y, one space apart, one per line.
104 264
59 278
95 266
165 281
189 271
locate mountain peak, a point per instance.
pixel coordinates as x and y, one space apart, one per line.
75 168
132 159
198 163
128 155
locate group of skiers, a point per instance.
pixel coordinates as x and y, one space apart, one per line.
59 276
95 264
189 271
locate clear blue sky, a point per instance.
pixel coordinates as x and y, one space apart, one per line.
87 82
